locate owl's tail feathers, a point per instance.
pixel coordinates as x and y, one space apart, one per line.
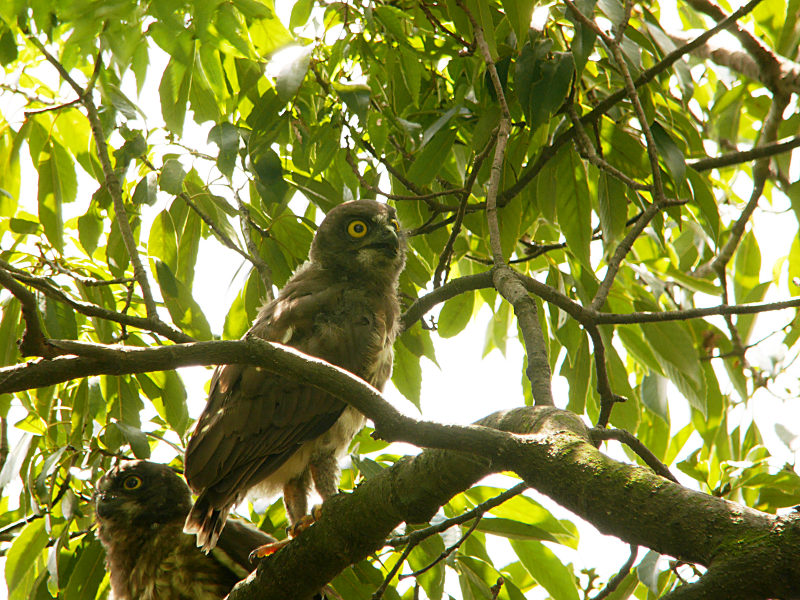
206 522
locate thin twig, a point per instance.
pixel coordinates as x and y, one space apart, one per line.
760 174
735 158
92 310
614 582
531 170
607 396
630 440
443 266
417 536
246 223
378 594
587 150
447 551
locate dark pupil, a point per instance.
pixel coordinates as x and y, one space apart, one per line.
358 228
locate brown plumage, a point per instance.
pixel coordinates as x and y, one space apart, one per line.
263 431
140 509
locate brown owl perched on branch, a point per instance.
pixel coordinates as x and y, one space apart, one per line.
141 508
260 430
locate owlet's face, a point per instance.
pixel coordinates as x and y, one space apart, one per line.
139 493
362 237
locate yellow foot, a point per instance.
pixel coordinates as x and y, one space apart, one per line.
304 523
293 531
267 550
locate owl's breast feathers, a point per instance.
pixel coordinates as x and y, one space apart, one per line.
351 324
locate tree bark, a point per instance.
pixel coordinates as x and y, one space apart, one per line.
553 454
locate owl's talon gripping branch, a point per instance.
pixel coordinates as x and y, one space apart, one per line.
265 432
293 530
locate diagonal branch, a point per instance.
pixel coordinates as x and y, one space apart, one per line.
47 288
33 342
504 278
760 173
111 180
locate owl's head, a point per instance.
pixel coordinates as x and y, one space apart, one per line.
361 238
138 493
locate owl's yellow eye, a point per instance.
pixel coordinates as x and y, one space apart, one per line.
132 482
357 228
395 223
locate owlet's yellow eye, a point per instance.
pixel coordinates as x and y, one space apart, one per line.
395 223
133 482
357 229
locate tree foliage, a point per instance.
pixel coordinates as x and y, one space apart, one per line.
600 179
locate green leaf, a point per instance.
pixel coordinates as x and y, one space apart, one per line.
174 93
292 73
171 178
23 226
679 359
116 253
747 264
145 191
524 509
301 12
88 572
183 309
438 124
547 569
407 373
226 137
704 199
57 185
163 242
514 530
59 319
584 37
456 314
654 396
267 166
135 438
542 80
612 209
355 97
166 391
574 206
90 227
669 151
519 15
432 158
24 552
423 555
8 47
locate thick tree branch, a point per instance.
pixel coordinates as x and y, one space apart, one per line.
550 450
